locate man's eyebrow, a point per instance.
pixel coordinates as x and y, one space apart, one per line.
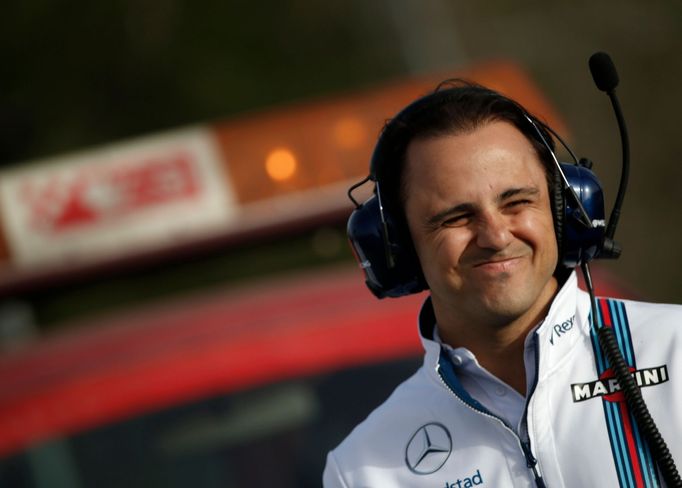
515 192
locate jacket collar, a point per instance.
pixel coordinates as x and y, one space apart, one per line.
565 323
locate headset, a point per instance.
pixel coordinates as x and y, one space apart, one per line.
377 228
380 239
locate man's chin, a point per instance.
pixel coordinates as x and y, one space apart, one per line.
506 305
509 301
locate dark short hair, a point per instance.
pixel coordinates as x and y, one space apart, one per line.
454 107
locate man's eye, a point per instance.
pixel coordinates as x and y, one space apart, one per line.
457 220
519 203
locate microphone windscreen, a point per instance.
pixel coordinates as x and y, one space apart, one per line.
603 71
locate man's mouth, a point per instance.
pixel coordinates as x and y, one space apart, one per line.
498 265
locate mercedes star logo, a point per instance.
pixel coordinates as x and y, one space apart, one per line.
428 448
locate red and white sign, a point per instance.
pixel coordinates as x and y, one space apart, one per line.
91 197
104 203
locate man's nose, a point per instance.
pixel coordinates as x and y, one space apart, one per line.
493 232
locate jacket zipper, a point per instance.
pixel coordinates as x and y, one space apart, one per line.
531 461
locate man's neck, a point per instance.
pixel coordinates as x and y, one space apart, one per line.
498 345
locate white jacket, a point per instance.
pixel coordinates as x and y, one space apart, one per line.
577 433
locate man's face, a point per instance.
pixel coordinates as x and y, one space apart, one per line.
478 210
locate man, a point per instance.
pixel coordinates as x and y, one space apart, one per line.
514 390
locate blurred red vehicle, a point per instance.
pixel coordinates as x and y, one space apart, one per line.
250 388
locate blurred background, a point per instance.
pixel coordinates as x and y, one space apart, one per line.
172 185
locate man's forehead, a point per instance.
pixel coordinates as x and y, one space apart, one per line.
472 152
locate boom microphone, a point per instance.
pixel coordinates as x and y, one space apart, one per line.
603 72
606 78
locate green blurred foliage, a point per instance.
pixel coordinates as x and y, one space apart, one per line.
83 73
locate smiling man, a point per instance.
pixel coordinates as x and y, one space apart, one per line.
469 203
484 235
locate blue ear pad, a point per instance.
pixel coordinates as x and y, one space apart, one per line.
391 265
579 242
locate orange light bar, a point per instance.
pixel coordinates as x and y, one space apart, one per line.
332 139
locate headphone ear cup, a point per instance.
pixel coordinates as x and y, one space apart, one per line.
582 243
391 268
